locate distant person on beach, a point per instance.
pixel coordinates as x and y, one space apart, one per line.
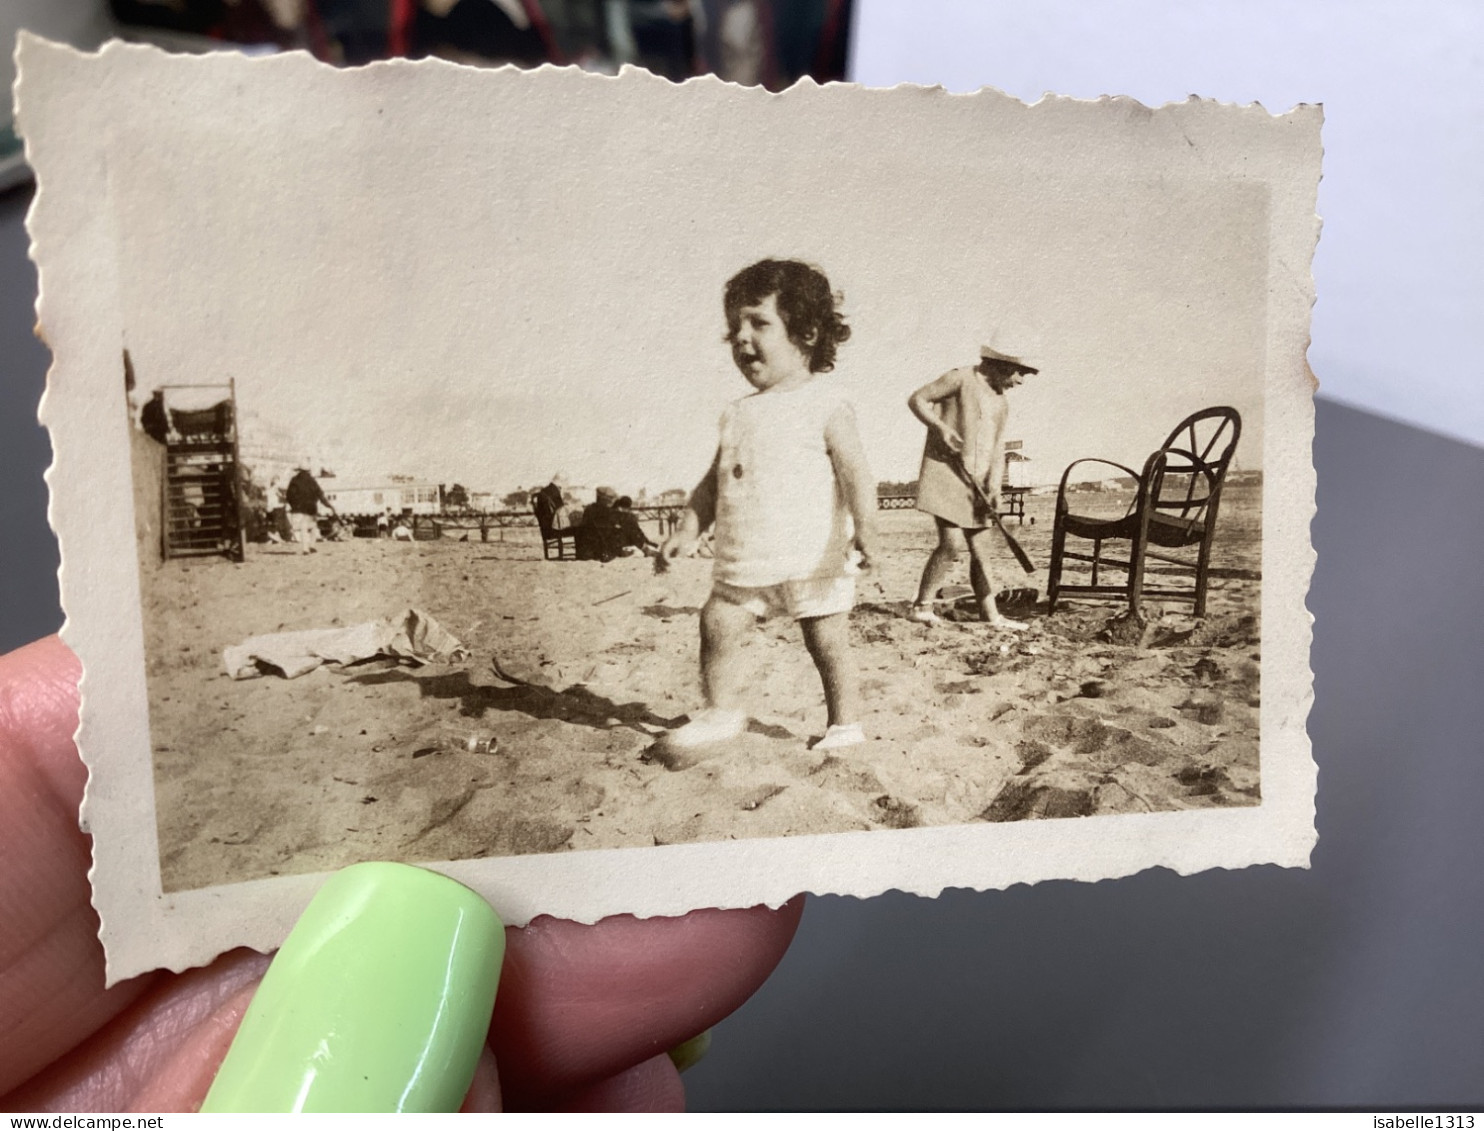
154 418
632 538
965 411
596 536
551 501
280 529
304 497
791 498
609 529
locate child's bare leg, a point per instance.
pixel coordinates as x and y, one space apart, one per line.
828 641
983 579
724 626
981 582
940 564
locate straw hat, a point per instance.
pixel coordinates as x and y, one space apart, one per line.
1001 347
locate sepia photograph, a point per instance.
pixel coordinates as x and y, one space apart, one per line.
692 465
436 663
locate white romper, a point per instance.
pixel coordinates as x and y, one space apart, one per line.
781 515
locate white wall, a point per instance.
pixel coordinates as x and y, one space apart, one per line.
1399 324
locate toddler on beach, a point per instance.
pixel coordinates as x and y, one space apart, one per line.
791 498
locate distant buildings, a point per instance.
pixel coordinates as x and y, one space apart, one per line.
381 497
271 453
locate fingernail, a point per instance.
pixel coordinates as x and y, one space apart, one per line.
688 1054
379 1000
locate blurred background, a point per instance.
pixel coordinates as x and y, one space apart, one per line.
1358 983
770 43
767 42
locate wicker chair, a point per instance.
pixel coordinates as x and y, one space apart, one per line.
556 545
1174 507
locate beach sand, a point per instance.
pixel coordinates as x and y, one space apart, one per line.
1074 717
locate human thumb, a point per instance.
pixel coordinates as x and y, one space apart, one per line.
379 1000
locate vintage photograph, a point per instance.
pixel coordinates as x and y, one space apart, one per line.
775 547
619 466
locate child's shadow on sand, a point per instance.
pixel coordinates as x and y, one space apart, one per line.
577 704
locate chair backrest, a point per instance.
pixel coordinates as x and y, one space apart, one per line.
1185 476
543 512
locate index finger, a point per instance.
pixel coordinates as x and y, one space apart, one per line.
51 963
580 1003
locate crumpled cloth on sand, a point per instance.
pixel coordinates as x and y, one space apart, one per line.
410 635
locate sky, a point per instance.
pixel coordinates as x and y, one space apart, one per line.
533 283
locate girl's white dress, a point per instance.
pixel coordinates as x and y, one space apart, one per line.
780 512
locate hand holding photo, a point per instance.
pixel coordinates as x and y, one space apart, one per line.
969 440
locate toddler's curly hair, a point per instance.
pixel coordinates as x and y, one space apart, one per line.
809 308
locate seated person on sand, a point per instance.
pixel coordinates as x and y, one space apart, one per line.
792 501
965 411
605 531
551 501
632 539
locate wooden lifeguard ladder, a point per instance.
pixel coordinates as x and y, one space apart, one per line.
201 486
1013 487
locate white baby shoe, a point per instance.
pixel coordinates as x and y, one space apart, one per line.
706 727
839 737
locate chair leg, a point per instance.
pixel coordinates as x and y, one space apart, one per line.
1135 577
1053 578
1097 553
1202 576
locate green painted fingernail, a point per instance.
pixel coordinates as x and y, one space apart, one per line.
688 1054
379 1000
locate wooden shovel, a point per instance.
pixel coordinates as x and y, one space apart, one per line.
1021 556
